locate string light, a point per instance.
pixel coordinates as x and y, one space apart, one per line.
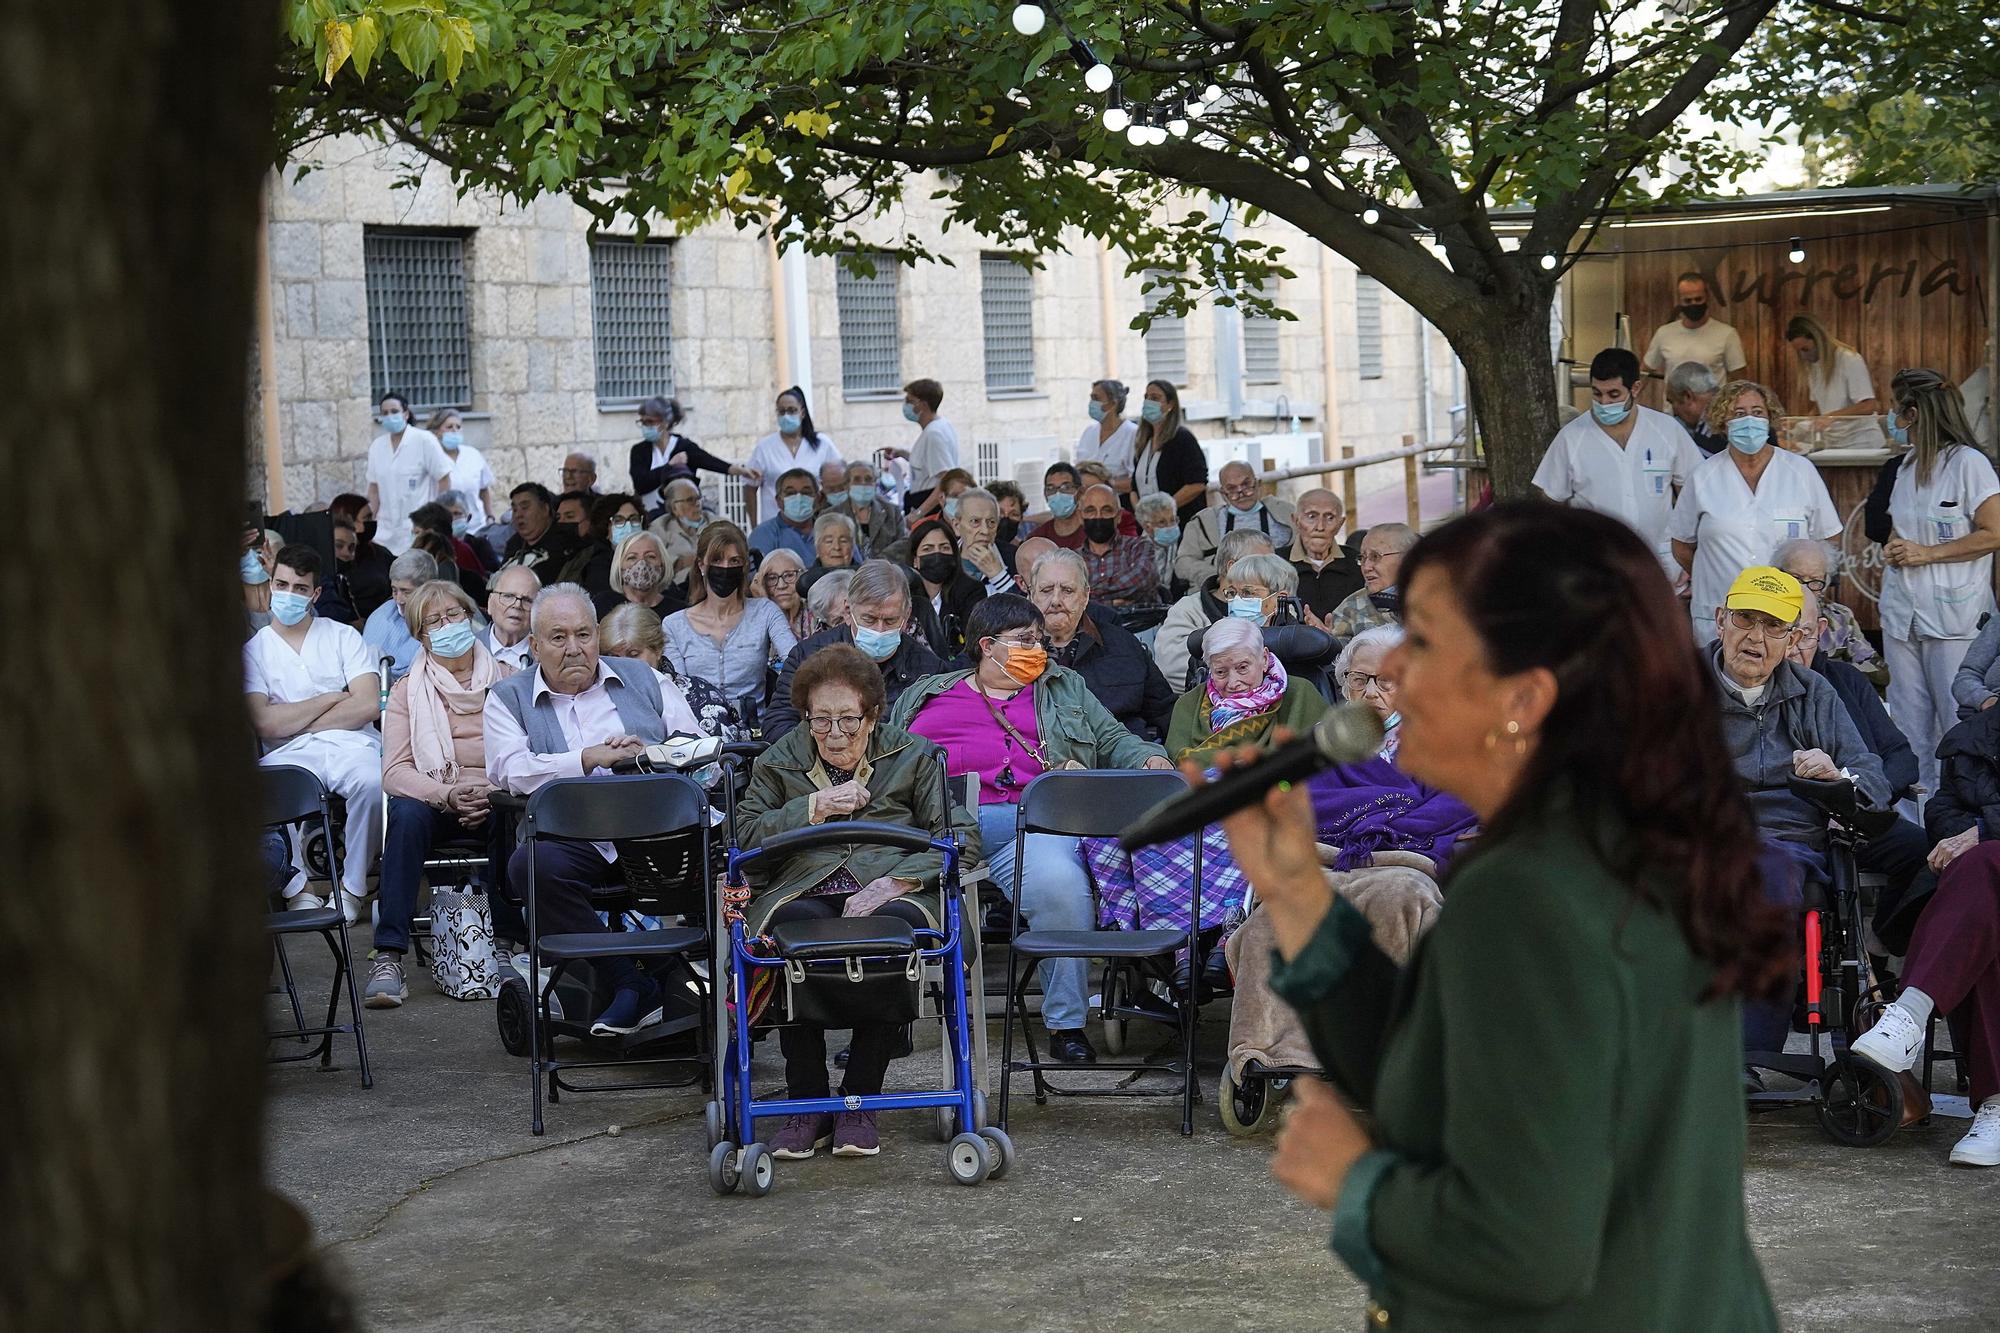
1370 216
1029 18
1549 262
1177 124
1116 117
1212 93
1098 78
1798 251
1301 162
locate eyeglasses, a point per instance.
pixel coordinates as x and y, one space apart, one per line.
847 725
443 618
784 578
1817 585
1751 623
1359 682
516 600
1041 643
1242 491
1377 557
1060 488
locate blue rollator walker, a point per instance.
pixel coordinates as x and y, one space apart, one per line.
835 973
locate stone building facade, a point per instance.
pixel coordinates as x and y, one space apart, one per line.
743 321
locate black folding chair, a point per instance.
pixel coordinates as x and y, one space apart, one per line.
1097 804
295 795
660 822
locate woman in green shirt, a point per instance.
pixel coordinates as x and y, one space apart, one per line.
1555 1080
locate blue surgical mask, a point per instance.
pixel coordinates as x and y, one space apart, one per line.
1246 608
1610 414
253 569
1166 535
836 497
909 411
1062 506
453 440
460 526
797 507
1152 411
951 507
879 644
788 423
650 434
1898 432
394 423
452 640
1096 410
1749 435
289 608
1244 511
620 531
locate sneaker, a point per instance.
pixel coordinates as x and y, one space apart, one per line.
801 1136
304 902
386 988
1980 1147
633 1007
854 1134
352 908
1894 1043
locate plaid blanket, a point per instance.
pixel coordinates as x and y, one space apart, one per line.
1153 888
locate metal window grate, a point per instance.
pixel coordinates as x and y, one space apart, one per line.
1166 340
730 497
986 461
419 337
630 303
1007 310
1367 327
1260 342
871 351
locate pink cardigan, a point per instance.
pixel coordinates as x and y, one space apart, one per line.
400 774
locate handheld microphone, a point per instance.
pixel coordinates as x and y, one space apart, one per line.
1349 734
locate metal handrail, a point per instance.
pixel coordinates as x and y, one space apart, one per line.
1351 464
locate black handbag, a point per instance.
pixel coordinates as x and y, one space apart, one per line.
850 971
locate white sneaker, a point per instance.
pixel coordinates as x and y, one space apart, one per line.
352 908
1981 1146
304 902
1894 1043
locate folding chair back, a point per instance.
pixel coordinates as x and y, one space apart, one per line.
292 794
1093 803
610 809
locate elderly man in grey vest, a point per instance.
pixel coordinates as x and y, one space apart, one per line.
574 714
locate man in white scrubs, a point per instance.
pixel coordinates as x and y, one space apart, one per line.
407 467
1620 458
1695 335
314 696
1741 504
936 450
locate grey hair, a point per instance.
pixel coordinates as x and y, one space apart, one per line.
1278 574
1115 390
825 589
1064 556
581 457
1159 502
1788 549
450 498
1231 632
1384 636
879 581
625 548
631 626
833 519
524 570
414 566
1402 534
1693 377
678 488
978 493
1243 541
558 592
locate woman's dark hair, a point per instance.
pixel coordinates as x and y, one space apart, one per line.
604 507
719 533
934 523
398 400
1635 736
842 664
431 517
995 616
666 409
806 429
348 505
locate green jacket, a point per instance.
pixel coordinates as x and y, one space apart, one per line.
1072 724
901 774
1560 1119
1301 706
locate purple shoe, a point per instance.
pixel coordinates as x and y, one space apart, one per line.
801 1136
854 1134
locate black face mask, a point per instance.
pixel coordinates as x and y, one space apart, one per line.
1010 528
564 530
1389 600
1695 313
367 533
723 580
938 567
1100 530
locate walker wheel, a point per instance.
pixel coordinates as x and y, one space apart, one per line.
1859 1106
756 1168
969 1159
722 1173
979 1120
1246 1106
1003 1151
716 1123
513 1013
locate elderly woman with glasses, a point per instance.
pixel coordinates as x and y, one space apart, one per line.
777 579
844 764
1010 718
678 527
1812 563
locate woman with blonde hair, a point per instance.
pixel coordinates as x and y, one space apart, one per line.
1838 383
634 631
640 567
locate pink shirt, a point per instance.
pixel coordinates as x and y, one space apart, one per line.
959 721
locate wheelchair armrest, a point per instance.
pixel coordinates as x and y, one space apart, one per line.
1839 800
840 833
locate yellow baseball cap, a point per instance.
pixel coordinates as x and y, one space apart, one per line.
1772 591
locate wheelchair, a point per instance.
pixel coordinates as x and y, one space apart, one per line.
1858 1105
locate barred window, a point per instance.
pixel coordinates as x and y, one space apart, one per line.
1166 340
871 343
1260 341
630 297
1007 310
986 461
1367 327
419 336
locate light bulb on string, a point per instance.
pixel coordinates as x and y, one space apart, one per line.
1029 19
1098 78
1798 250
1136 135
1177 124
1370 216
1301 162
1212 93
1549 262
1116 117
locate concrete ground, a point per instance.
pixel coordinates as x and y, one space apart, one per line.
444 1213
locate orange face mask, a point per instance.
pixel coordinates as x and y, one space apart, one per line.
1023 663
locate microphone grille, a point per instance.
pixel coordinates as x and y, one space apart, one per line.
1350 733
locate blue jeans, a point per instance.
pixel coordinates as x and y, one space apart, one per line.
413 829
1054 893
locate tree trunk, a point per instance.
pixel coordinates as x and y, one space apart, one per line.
131 920
1513 387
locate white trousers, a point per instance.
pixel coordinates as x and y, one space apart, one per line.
349 763
1920 672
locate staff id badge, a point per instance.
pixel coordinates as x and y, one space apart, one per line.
415 483
1794 525
1658 477
1945 524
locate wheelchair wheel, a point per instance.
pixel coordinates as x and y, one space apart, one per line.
1247 1107
756 1169
1859 1106
722 1173
514 1014
1003 1151
970 1159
